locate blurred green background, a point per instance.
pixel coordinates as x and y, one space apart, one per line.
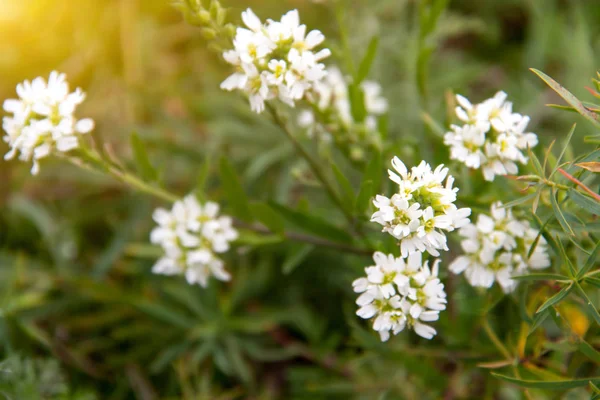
83 317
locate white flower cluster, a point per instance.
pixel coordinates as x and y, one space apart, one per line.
275 59
496 248
492 138
400 293
422 210
192 235
42 120
331 98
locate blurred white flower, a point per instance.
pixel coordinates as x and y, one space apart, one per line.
399 293
331 97
42 120
275 59
191 236
422 210
492 139
496 248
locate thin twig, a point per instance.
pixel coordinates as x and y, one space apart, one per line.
576 181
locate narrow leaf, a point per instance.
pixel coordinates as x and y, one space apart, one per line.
589 351
142 161
557 385
312 224
540 277
588 303
234 191
367 61
537 320
585 202
296 258
373 172
266 215
565 146
537 166
592 280
202 178
364 196
357 103
593 166
569 98
556 298
520 200
433 126
559 214
345 185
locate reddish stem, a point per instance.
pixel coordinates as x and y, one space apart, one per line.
580 184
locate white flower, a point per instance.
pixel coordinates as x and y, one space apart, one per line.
275 59
331 97
422 210
191 236
493 138
42 120
399 293
374 103
496 248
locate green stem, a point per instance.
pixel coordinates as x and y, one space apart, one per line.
100 165
495 340
312 163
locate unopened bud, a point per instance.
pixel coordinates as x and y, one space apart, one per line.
208 33
204 17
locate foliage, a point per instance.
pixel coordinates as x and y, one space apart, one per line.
82 316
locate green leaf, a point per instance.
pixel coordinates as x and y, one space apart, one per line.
234 191
556 385
164 314
556 298
144 167
541 277
596 391
433 126
589 351
564 150
357 103
422 69
238 362
296 257
537 320
345 185
202 178
312 224
520 200
373 171
429 16
590 262
559 214
588 303
537 166
537 237
565 257
254 239
569 98
592 280
166 356
267 216
585 202
367 61
560 107
364 197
